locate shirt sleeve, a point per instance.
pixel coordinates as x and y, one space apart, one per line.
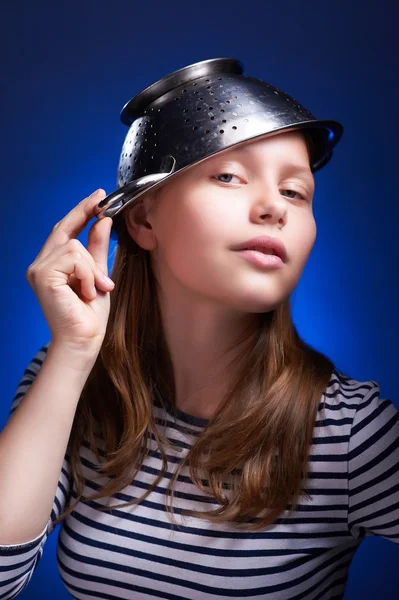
19 561
373 468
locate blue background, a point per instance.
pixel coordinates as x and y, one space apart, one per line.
67 70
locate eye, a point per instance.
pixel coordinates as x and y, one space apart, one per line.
224 175
294 192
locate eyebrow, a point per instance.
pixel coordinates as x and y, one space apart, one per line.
300 169
289 166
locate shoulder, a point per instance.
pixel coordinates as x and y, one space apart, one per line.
349 392
360 411
351 409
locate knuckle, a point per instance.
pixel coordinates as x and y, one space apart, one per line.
76 255
75 245
30 273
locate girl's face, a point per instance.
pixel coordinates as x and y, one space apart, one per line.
264 187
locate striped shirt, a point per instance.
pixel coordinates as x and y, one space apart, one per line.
134 552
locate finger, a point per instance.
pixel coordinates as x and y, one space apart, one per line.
74 245
73 223
73 266
91 279
98 242
85 275
75 285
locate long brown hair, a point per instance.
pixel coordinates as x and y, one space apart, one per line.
253 452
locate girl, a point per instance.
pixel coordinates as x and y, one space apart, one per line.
189 441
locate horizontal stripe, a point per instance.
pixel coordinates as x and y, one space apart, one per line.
135 551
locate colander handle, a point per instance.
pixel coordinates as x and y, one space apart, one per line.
115 202
119 199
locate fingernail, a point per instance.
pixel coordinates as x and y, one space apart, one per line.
107 280
97 191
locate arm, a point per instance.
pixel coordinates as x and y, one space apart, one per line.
373 468
20 553
33 445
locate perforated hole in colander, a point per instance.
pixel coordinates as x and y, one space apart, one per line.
183 116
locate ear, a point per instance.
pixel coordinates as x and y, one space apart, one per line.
138 223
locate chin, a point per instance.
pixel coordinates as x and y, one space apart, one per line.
254 304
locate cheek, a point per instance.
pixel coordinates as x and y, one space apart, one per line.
304 238
312 233
193 228
185 235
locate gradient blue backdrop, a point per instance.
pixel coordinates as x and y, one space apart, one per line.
68 68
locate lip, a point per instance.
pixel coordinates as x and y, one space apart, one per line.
265 261
266 241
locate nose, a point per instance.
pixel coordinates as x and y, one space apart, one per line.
269 205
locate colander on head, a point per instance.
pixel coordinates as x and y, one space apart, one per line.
197 111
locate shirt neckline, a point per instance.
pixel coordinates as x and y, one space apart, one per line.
173 411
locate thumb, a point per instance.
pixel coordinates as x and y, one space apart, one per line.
98 242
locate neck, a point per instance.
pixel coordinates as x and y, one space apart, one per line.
203 340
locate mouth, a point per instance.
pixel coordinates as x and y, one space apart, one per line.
262 257
260 249
264 244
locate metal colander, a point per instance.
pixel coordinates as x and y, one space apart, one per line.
197 111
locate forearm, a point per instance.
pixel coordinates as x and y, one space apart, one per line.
33 444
